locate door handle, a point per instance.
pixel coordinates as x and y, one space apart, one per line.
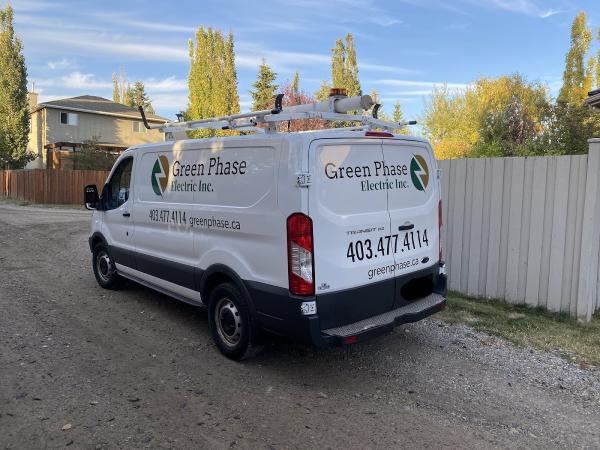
126 214
408 226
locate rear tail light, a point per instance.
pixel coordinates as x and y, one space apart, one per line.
300 254
440 229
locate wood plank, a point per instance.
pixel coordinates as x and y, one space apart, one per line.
570 237
505 216
536 226
466 233
485 225
494 242
476 220
525 228
445 184
547 233
559 228
515 212
581 182
459 171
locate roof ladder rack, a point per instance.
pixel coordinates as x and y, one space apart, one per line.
336 108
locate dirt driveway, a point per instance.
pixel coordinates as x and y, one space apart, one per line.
88 368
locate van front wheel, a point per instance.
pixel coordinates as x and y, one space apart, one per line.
104 268
230 323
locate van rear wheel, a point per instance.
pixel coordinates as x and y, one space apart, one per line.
104 268
230 322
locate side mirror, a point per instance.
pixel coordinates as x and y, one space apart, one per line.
90 196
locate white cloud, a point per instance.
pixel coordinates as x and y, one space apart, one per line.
142 24
169 84
425 84
527 7
34 5
385 68
105 43
74 80
60 64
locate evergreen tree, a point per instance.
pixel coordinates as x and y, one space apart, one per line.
14 107
351 82
138 97
295 86
323 93
212 78
598 63
573 89
233 100
338 63
116 90
264 88
344 67
398 117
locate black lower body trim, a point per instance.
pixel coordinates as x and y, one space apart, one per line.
173 272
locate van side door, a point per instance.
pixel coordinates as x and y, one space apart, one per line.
118 226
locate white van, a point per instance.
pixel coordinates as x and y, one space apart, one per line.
328 236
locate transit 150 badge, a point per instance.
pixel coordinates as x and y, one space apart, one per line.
419 172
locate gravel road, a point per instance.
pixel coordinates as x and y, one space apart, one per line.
89 368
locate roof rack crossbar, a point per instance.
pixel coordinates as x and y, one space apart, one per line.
335 109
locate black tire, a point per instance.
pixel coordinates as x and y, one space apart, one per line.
231 323
104 268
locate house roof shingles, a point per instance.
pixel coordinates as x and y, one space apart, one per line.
93 104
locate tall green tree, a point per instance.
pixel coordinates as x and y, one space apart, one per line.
344 66
598 63
139 97
116 89
574 77
323 92
264 88
14 108
295 86
398 117
212 79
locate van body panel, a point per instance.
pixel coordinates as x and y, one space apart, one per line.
224 202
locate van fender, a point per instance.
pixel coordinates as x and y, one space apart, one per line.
95 238
220 273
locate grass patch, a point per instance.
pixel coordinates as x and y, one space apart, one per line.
525 326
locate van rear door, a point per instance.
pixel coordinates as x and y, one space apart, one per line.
413 208
348 207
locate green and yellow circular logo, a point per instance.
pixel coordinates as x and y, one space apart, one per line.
419 172
160 175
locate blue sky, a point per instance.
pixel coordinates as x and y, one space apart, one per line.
404 47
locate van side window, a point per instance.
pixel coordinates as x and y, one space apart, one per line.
117 191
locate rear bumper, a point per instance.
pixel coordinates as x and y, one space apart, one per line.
280 312
382 323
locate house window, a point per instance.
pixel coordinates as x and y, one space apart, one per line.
138 127
68 118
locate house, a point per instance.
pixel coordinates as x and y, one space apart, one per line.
61 127
593 99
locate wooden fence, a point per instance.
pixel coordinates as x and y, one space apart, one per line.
49 186
526 230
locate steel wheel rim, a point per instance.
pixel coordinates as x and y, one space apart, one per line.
104 266
228 322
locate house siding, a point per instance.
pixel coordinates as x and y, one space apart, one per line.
104 128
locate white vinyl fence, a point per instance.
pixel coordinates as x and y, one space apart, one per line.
526 230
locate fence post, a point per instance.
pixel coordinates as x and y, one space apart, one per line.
590 236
